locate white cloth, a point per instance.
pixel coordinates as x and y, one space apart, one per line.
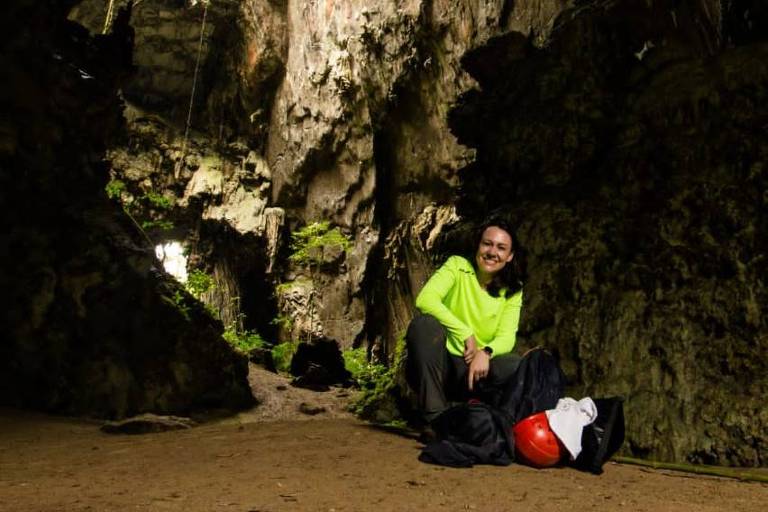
568 419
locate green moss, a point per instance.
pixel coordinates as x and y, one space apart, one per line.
164 225
380 385
198 282
115 189
141 207
283 321
398 424
179 302
243 341
210 162
157 201
364 373
215 313
316 235
283 288
282 355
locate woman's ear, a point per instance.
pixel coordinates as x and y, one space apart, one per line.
511 255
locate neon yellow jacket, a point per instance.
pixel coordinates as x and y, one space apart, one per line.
455 298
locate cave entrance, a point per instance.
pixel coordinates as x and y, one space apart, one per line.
171 255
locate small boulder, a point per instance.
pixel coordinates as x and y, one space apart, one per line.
311 409
146 424
319 365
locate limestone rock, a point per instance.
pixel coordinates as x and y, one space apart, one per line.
205 181
147 424
242 210
625 136
615 150
93 325
310 409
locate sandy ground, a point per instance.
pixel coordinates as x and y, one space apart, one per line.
330 463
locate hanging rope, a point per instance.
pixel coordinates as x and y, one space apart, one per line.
194 87
110 14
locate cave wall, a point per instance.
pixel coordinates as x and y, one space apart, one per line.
203 152
91 324
311 111
627 137
633 150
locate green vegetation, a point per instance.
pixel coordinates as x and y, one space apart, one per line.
198 282
365 374
115 189
133 206
178 300
157 201
283 321
282 355
244 341
315 236
164 225
154 201
380 385
283 288
211 309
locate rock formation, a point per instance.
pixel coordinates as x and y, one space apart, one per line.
627 136
92 324
632 149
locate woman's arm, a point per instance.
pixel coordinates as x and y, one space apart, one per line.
430 299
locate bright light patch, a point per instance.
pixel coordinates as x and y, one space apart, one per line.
174 261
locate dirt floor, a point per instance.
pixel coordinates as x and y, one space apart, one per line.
325 461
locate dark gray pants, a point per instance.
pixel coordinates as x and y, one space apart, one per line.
438 377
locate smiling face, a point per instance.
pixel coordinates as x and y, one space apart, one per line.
494 251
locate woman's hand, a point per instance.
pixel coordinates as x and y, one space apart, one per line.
470 348
478 368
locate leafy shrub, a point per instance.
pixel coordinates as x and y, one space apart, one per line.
244 341
157 201
283 321
311 236
198 282
365 374
380 385
178 301
115 189
282 355
165 225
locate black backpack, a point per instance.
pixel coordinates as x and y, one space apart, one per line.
468 434
602 438
481 433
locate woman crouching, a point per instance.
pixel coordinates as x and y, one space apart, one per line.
461 345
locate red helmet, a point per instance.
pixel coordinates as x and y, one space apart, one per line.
535 444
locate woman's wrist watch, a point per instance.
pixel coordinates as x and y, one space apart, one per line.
488 350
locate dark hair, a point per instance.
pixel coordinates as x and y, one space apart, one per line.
512 276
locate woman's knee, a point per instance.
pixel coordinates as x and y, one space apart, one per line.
503 367
425 331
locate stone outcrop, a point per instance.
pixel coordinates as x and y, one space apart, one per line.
146 424
196 110
627 137
345 104
92 324
632 149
